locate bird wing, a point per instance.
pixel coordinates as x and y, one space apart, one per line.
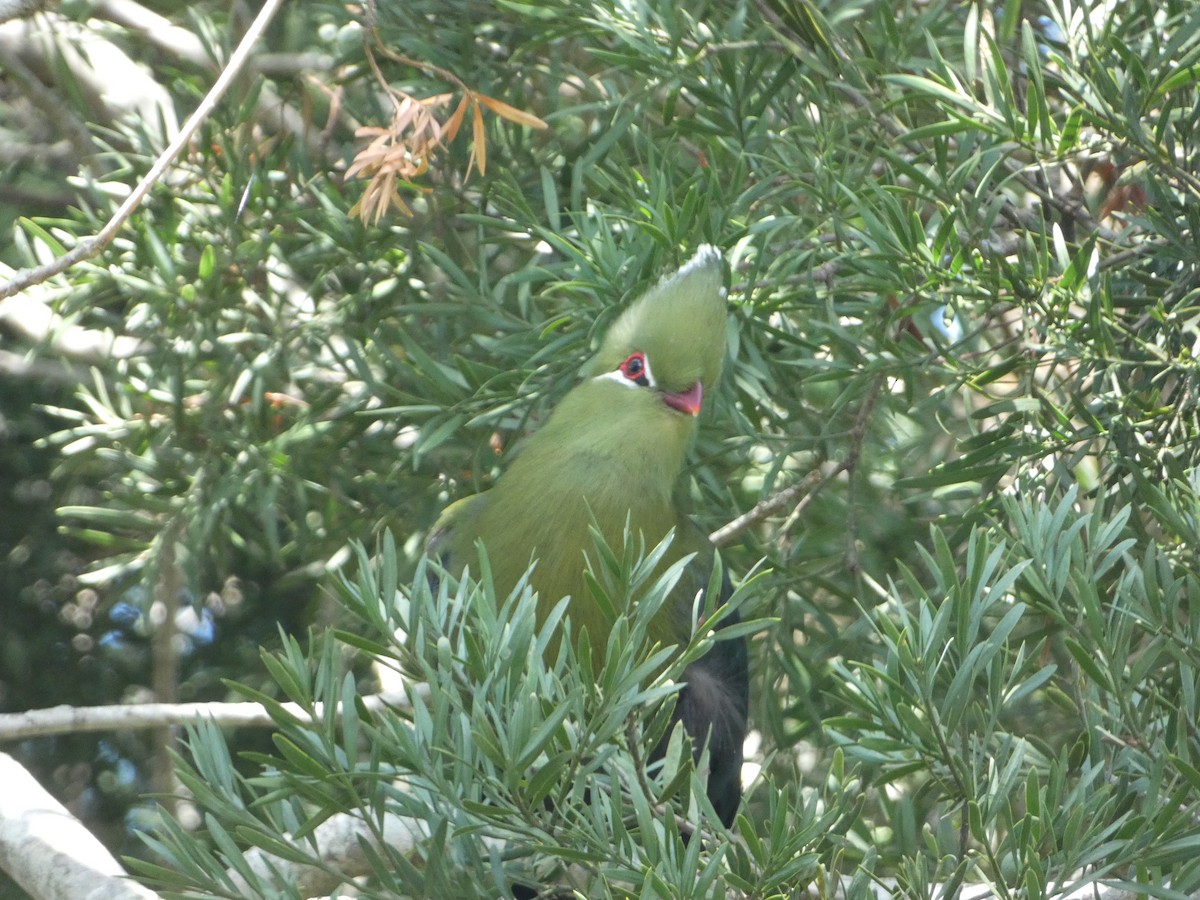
456 524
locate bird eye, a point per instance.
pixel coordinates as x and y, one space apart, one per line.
634 368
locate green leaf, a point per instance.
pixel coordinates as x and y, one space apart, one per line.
1069 136
1085 659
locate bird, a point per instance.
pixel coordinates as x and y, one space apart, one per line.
612 452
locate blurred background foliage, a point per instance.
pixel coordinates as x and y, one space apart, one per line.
963 258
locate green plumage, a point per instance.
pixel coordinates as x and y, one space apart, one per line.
614 449
543 505
608 448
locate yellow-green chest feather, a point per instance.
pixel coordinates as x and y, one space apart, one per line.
606 455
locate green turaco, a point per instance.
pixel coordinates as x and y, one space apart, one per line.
613 450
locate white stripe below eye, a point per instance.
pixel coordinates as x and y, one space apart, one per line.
622 379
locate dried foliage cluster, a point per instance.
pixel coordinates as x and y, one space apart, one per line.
401 152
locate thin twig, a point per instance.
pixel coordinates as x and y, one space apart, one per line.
858 433
371 36
803 491
90 247
773 504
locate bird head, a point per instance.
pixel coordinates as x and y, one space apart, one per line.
671 340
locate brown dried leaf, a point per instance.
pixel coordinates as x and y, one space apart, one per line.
450 129
368 160
359 165
438 100
405 209
362 208
404 150
504 111
367 130
407 111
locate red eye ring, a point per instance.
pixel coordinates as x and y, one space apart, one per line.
634 369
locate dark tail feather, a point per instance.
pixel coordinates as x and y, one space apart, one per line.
713 706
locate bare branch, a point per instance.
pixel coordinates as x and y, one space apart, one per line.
114 87
14 150
14 47
18 365
777 502
339 841
184 45
48 852
160 31
90 247
290 65
77 719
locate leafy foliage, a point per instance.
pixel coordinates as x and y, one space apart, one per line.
519 759
1034 690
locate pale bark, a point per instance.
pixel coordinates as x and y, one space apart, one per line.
48 852
76 719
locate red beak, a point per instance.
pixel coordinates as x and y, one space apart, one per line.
688 402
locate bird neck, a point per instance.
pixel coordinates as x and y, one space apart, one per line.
617 450
601 462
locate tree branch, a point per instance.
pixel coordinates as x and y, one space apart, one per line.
777 502
76 719
182 44
14 39
91 247
160 31
340 840
48 852
21 365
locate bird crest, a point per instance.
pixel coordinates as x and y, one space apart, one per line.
679 324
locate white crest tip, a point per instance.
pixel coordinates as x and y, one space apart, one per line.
706 255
